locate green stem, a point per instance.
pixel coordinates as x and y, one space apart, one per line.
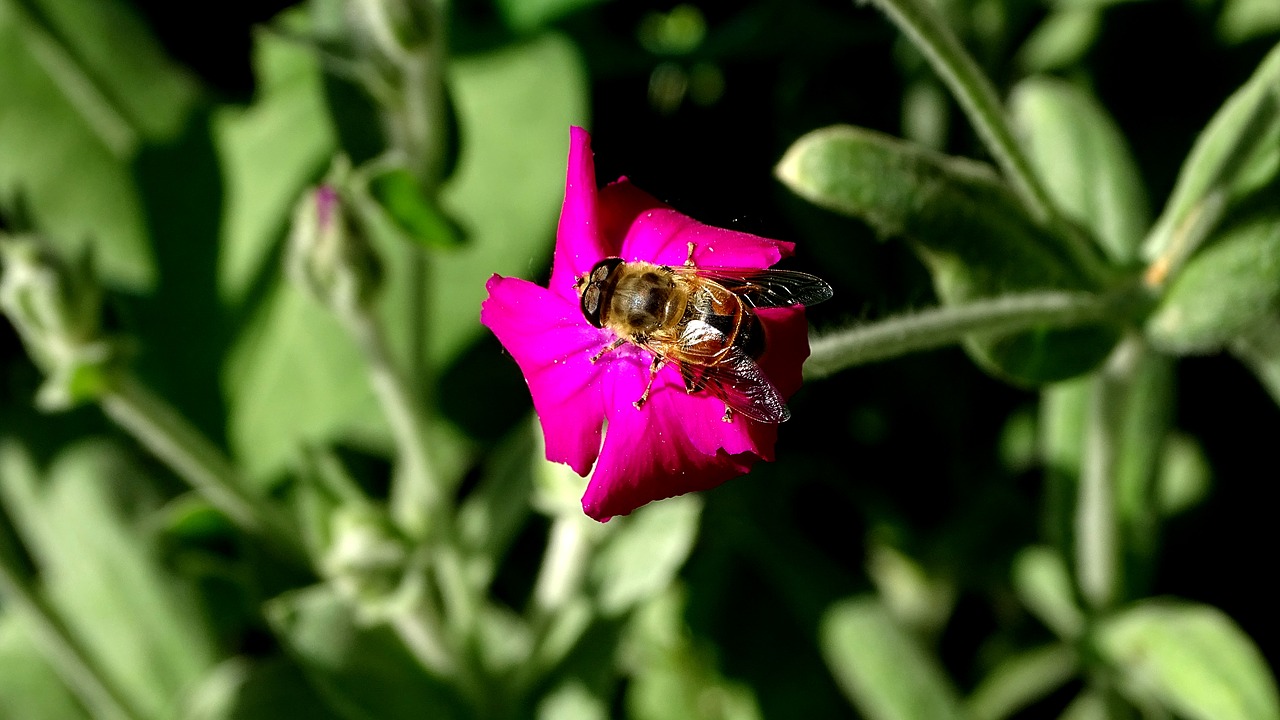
977 97
417 500
73 662
947 325
168 435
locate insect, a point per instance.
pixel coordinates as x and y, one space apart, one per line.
699 319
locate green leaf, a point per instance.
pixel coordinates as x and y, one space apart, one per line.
101 574
1259 348
270 151
883 670
1226 288
114 54
966 225
519 165
294 376
527 15
674 677
641 558
66 153
1084 161
1237 153
29 688
1190 658
1184 477
572 701
1243 20
402 198
364 672
1043 584
1060 41
1020 680
243 689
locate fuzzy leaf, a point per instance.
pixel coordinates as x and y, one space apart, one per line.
1084 162
967 226
1237 153
1224 289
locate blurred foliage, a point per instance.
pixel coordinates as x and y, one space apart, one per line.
232 531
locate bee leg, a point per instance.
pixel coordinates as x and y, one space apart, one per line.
617 342
728 414
688 261
653 372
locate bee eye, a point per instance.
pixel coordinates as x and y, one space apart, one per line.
594 289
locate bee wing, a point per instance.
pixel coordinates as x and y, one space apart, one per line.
738 380
726 370
766 287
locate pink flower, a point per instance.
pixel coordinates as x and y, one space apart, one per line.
677 441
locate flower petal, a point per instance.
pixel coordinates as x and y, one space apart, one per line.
553 345
580 240
649 453
656 233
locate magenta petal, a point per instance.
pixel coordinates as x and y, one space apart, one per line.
580 240
649 453
553 347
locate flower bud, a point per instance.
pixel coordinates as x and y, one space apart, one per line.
57 310
327 254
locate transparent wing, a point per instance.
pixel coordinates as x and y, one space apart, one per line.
727 371
737 380
765 287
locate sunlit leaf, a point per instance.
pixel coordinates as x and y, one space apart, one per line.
883 670
1192 659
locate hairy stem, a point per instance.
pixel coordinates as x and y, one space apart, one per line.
947 325
920 21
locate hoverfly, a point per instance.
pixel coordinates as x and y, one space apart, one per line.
699 319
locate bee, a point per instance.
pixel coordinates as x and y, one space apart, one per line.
700 319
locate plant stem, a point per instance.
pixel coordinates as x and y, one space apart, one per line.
417 500
168 435
977 97
73 662
947 325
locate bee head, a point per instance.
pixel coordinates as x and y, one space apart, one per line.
592 288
